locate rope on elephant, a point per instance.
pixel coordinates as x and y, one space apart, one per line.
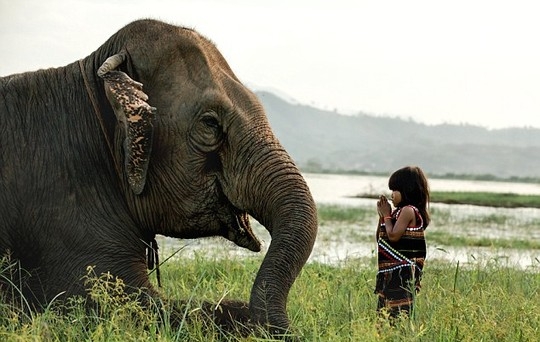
153 258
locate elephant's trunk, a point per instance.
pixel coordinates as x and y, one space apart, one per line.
276 194
293 228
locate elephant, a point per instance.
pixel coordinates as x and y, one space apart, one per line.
151 134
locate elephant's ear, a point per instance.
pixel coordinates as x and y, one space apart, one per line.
129 104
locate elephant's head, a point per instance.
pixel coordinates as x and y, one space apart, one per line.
199 155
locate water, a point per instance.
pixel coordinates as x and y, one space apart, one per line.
341 189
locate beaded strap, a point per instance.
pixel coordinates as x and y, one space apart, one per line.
396 255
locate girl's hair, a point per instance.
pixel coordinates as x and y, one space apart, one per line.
411 182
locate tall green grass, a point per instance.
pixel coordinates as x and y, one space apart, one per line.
480 302
327 303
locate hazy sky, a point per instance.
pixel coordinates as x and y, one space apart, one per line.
458 61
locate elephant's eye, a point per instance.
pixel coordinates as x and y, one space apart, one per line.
210 121
207 133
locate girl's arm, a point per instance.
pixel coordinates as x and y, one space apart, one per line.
404 220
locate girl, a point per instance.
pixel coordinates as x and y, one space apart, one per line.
400 240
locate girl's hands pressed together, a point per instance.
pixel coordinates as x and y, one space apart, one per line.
383 207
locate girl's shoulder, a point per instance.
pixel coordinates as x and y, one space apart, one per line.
411 211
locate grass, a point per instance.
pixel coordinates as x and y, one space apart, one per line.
116 316
489 199
328 213
449 239
327 303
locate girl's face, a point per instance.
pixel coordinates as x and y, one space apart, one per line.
396 197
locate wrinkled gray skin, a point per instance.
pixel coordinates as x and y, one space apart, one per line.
192 159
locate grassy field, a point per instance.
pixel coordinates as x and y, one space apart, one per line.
327 303
480 301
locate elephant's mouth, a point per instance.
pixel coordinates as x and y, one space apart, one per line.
239 231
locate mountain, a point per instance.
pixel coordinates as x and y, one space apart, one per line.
322 140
